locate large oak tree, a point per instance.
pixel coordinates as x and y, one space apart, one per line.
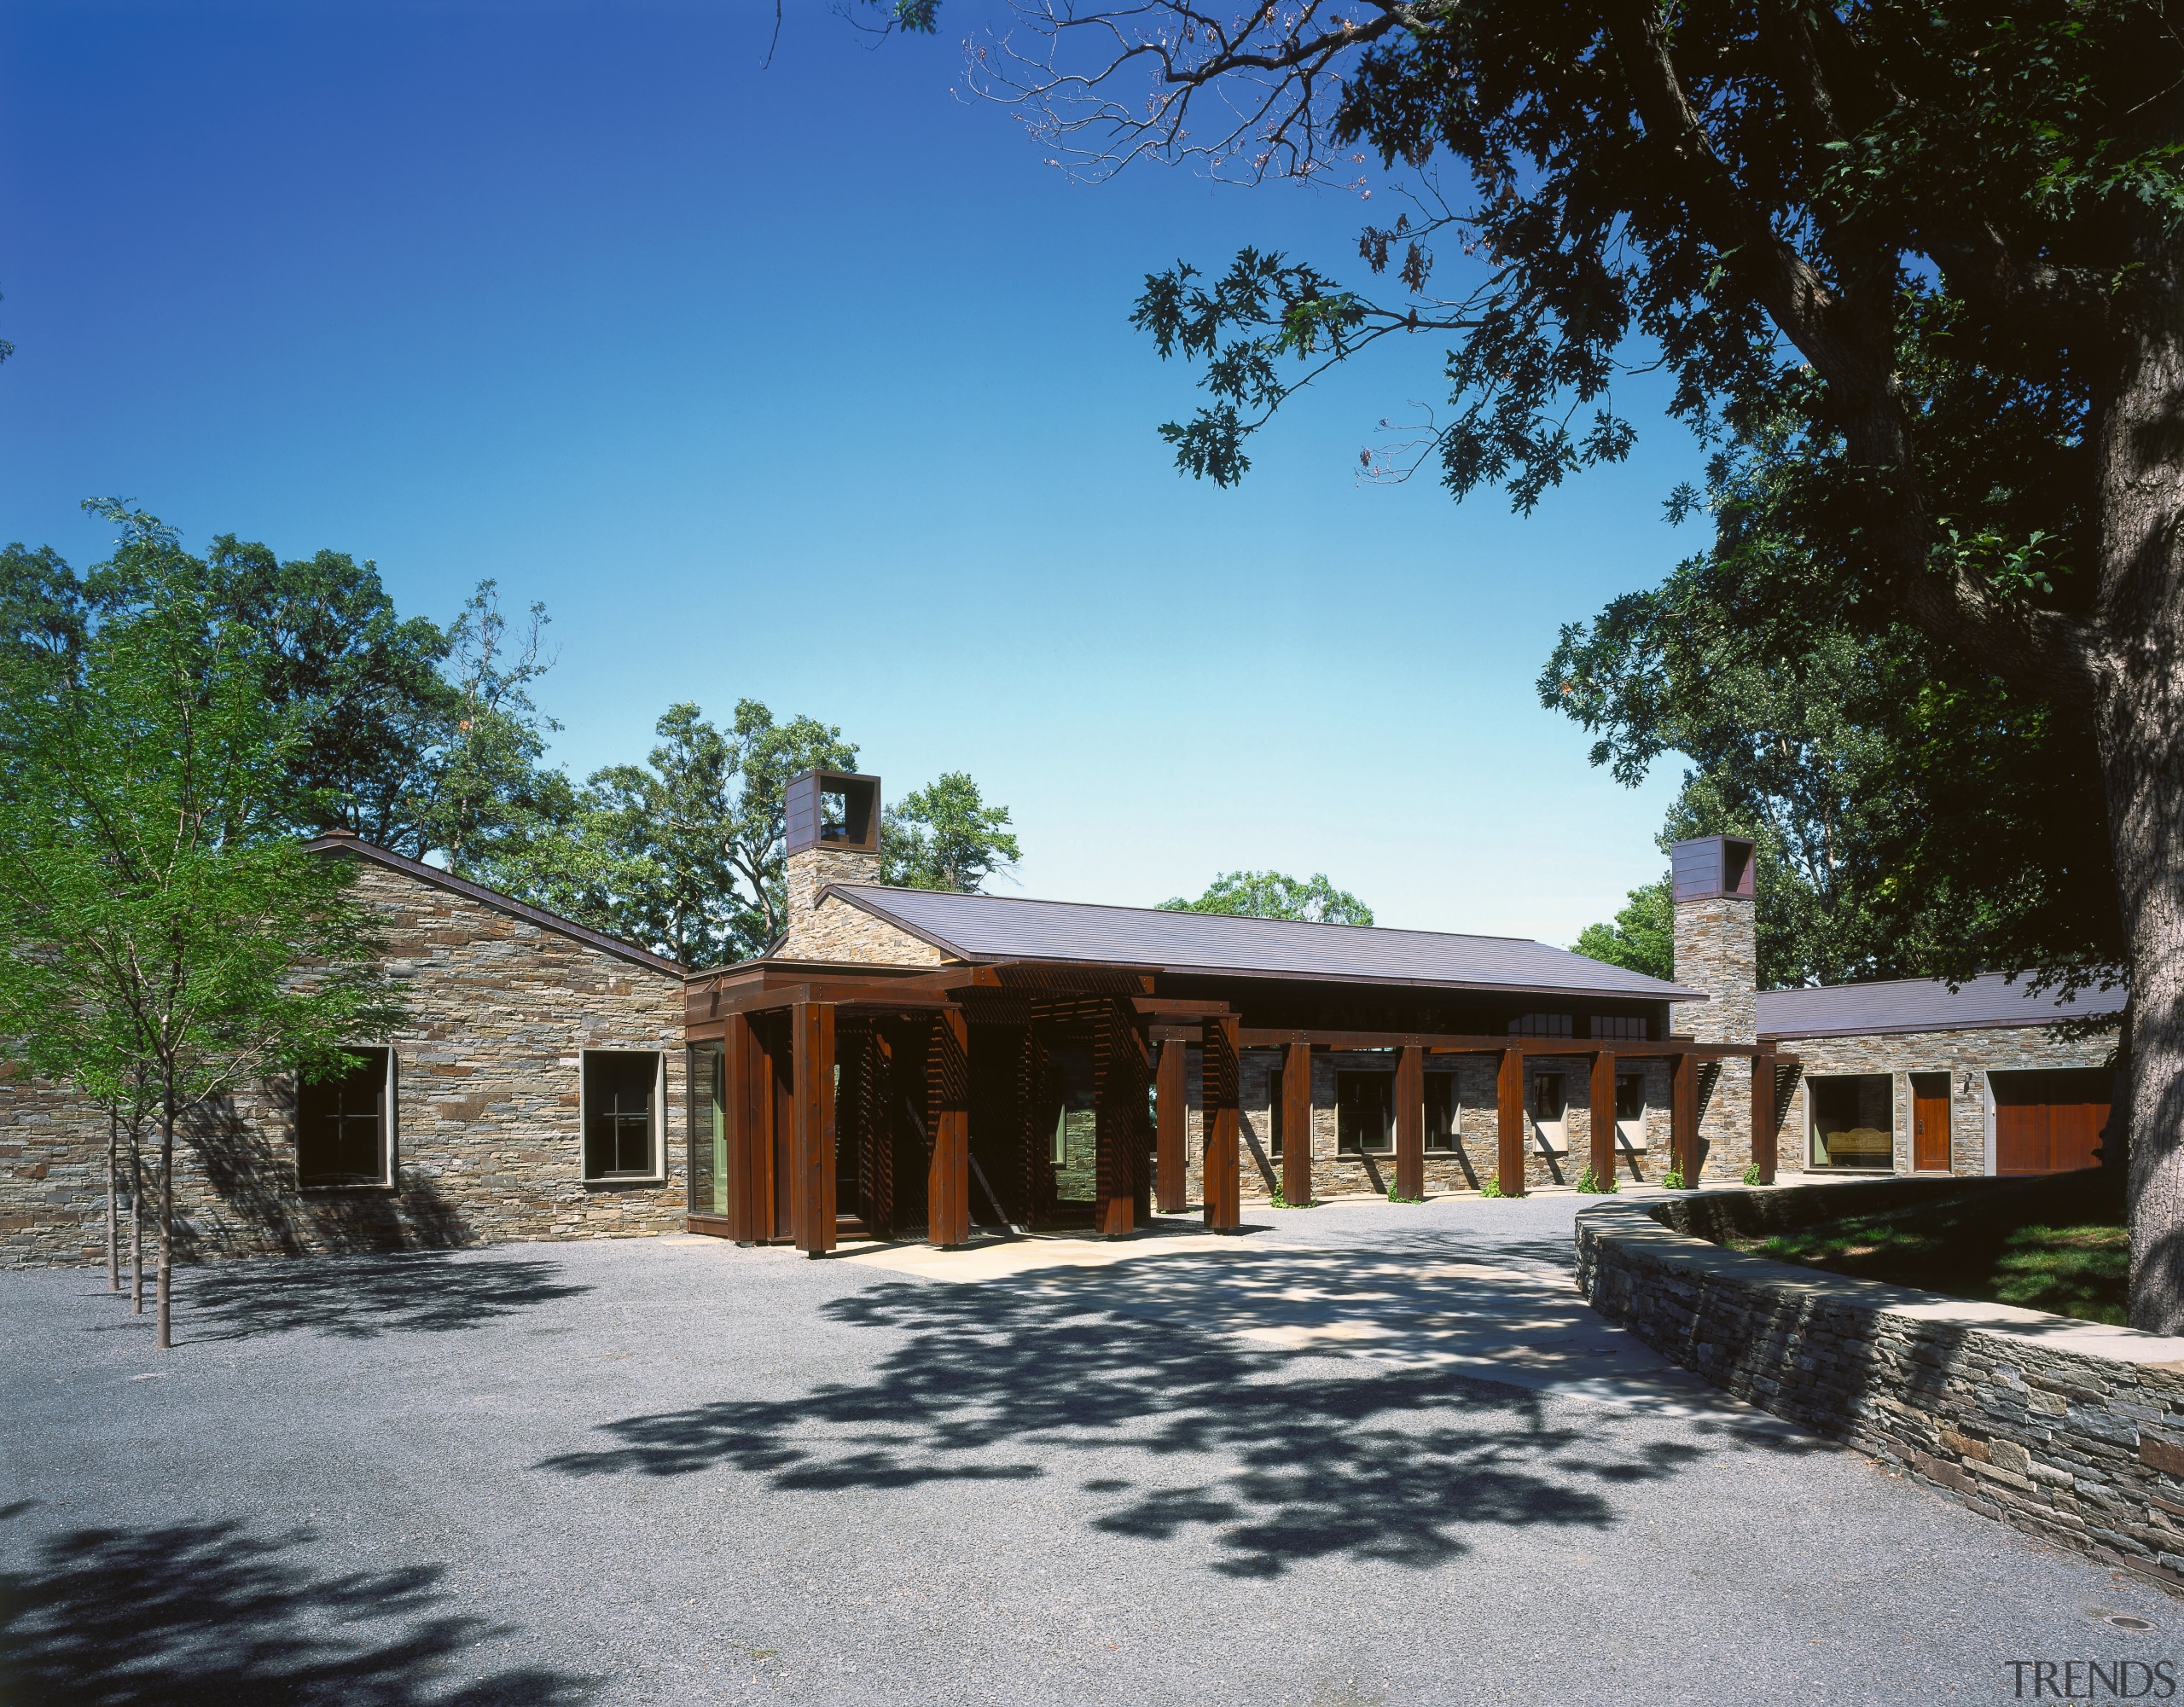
1765 199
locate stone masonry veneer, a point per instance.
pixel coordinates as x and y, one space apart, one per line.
1717 950
834 930
1966 1057
488 1146
2071 1431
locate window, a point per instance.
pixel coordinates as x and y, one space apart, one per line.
1619 1028
1540 1025
1550 1109
1075 1145
1853 1117
621 1108
1630 1111
342 1135
1365 1109
1274 1112
708 1129
1443 1125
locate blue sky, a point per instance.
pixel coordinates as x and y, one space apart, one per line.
806 382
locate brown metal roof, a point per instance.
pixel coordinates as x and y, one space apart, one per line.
1921 1004
347 842
995 927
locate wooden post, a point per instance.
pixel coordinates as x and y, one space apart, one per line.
812 1194
1115 1122
1509 1099
1602 1117
1765 1131
948 1119
750 1143
1168 1141
1410 1122
1219 1109
1297 1125
1683 1117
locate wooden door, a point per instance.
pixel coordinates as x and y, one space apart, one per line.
2050 1121
1929 1146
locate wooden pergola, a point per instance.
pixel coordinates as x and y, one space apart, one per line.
862 1100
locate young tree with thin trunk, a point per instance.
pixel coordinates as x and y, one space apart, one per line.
159 926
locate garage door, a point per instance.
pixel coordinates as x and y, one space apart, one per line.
2050 1121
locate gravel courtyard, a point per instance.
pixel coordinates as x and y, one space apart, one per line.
1366 1453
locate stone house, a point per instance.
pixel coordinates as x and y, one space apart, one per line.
527 1098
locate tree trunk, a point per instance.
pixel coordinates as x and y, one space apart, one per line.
113 1218
163 1337
136 1220
2140 721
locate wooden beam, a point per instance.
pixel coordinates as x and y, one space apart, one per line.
1177 1009
1601 1117
1297 1125
1509 1108
1410 1122
1684 1118
750 1147
1169 1139
948 1121
1220 1098
1765 1129
1455 1044
812 1194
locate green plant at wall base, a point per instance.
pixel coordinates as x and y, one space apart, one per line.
1672 1180
1751 1174
1492 1189
1394 1195
1592 1182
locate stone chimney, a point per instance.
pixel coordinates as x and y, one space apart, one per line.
833 837
1717 950
1717 939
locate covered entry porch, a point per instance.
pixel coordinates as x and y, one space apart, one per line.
833 1103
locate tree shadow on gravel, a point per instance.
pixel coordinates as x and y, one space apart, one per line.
363 1298
1287 1463
204 1614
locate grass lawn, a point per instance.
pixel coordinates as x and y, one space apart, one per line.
2056 1244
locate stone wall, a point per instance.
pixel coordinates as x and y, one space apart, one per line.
2071 1431
1966 1057
833 930
1717 950
488 1144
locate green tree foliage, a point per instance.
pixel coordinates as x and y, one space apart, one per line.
421 739
1275 895
164 938
1641 937
944 836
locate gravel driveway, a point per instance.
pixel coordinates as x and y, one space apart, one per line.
1368 1453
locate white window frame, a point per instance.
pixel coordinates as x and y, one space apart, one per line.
1455 1147
1553 1136
388 1138
1630 1134
658 1175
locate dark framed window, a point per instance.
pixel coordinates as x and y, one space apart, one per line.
705 1079
621 1100
1541 1025
1365 1112
1619 1027
1273 1111
1853 1118
1442 1128
343 1136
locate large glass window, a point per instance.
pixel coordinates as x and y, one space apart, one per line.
1365 1112
1630 1111
1853 1118
1550 1111
1442 1114
1075 1142
342 1123
708 1129
621 1098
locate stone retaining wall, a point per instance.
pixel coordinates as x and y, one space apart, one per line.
2072 1431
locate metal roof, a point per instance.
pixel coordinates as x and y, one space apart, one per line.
346 841
1920 1004
995 927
